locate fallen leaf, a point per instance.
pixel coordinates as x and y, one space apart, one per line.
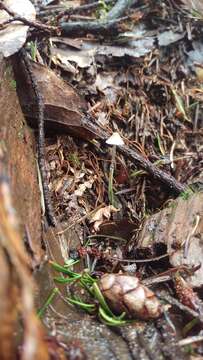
83 187
134 44
83 59
104 213
13 37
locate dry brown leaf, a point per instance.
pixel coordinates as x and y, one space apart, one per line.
83 187
104 213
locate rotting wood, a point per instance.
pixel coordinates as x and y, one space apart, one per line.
18 144
17 290
176 227
147 342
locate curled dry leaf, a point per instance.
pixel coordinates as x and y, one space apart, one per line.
126 294
82 187
104 213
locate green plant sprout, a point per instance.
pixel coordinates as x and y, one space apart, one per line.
33 49
98 306
13 84
160 145
90 308
50 298
198 15
74 159
138 173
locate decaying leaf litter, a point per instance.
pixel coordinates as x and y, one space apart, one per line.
140 78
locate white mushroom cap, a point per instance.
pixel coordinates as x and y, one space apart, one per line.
115 139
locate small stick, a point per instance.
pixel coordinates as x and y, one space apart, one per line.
119 9
81 8
152 170
92 27
110 23
41 139
190 340
171 300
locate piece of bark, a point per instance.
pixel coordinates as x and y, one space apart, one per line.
180 228
8 310
18 142
17 287
147 342
119 9
65 110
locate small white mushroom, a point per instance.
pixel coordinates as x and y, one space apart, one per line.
115 139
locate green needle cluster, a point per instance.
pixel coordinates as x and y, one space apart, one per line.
98 305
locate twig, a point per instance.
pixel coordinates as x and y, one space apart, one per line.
171 300
153 170
142 162
78 9
119 9
99 27
191 233
93 27
190 340
157 258
41 136
15 17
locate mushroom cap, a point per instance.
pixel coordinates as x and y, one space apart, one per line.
115 139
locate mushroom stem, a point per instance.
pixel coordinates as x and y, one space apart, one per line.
111 175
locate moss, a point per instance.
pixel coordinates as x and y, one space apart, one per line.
185 195
8 74
73 157
12 84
